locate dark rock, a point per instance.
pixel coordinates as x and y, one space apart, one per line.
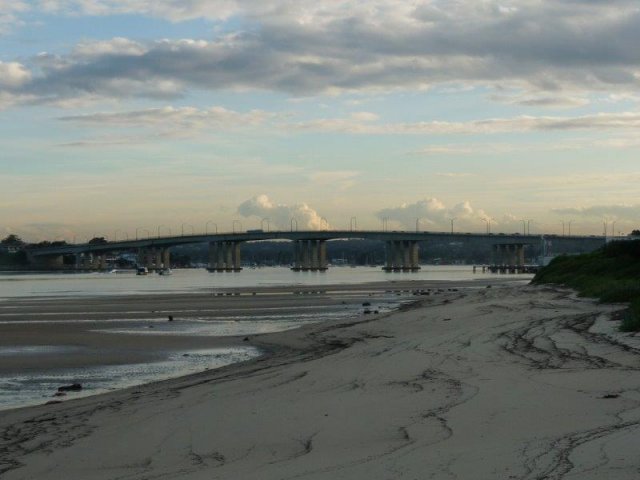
366 304
245 339
366 311
53 402
611 395
171 318
185 354
75 387
488 286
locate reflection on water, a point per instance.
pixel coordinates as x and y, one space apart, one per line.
199 280
38 388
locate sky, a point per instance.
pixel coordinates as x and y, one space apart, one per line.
124 118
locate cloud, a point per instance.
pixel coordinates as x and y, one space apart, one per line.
551 101
524 123
183 117
434 214
553 51
342 179
13 75
280 215
623 212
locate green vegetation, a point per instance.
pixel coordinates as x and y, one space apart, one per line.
610 274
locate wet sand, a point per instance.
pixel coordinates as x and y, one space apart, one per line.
510 382
86 324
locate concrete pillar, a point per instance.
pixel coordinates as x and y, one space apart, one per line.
157 258
213 256
236 261
228 256
415 256
388 251
406 255
520 255
306 254
102 261
314 264
398 257
323 254
221 256
166 258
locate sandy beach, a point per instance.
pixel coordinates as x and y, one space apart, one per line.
479 383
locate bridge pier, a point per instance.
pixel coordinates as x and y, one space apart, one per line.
224 257
309 255
402 256
509 257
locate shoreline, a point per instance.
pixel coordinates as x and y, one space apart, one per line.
507 382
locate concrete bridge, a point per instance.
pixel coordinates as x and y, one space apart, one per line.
309 248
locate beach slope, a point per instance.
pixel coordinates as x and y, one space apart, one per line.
515 382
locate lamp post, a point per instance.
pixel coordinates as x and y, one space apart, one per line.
182 229
293 220
488 222
326 223
162 226
613 229
569 229
353 223
206 227
528 227
115 235
262 222
417 225
385 222
233 226
562 222
454 218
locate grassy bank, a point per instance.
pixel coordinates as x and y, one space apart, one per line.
610 274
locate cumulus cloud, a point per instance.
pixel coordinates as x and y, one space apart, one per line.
554 51
280 215
433 214
13 74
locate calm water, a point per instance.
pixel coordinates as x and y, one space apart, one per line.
197 280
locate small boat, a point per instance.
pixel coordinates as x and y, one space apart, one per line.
165 271
142 271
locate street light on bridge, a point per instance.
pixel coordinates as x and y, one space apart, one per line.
353 223
182 229
488 222
262 222
206 227
454 218
233 226
385 223
326 223
293 220
162 226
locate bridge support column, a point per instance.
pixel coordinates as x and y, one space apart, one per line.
224 257
166 258
309 255
101 261
48 262
402 255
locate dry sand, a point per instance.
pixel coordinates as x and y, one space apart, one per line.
511 382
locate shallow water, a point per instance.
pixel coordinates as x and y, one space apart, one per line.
198 280
38 388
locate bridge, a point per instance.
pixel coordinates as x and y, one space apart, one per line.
309 247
